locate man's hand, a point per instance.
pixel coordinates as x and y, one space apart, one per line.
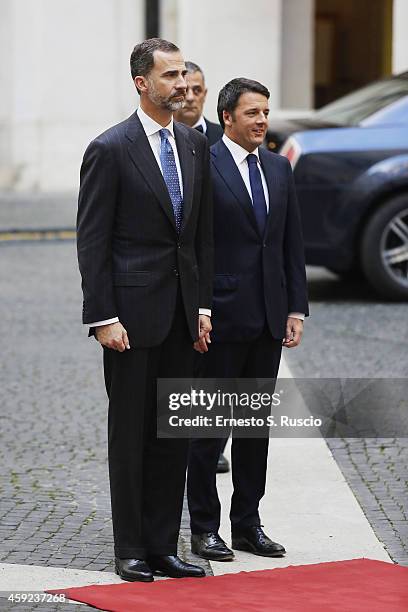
294 331
113 336
204 328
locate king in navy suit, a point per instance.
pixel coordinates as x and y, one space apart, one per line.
259 303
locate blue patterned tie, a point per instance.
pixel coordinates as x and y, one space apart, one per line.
258 195
170 175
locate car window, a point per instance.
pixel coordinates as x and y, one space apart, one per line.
395 113
355 107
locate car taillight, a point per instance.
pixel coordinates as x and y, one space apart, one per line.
290 154
291 149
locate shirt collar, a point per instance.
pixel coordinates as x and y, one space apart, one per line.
151 126
238 153
201 122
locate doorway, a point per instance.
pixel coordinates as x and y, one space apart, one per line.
353 44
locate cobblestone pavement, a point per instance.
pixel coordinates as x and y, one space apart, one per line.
54 489
352 334
54 486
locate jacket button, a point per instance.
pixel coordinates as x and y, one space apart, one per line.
264 244
178 245
175 272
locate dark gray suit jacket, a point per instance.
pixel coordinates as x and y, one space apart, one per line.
214 131
131 257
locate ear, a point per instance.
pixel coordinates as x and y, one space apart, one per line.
227 118
140 83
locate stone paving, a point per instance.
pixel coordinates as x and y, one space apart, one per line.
54 491
54 485
377 472
351 333
37 211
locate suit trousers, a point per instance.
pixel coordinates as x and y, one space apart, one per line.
259 358
147 474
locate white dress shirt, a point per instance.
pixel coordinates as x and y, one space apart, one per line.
201 122
152 130
240 158
240 155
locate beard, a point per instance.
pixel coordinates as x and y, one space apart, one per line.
164 102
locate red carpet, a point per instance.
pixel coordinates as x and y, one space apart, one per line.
358 585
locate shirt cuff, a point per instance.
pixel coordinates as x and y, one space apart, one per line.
106 322
297 315
204 311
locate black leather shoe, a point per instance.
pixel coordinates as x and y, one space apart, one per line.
173 566
222 465
133 570
253 539
211 546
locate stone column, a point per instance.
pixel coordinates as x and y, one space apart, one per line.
297 54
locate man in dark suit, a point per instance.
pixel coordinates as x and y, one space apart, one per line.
259 301
145 256
192 111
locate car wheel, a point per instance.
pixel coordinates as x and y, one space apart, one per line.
384 249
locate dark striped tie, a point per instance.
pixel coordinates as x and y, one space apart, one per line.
258 195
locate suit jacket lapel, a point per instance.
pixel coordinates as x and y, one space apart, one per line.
186 155
228 170
142 156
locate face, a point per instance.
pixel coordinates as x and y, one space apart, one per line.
248 123
165 85
195 98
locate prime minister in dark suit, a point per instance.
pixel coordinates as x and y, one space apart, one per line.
146 260
260 299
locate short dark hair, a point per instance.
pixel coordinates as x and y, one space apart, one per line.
142 60
191 67
230 94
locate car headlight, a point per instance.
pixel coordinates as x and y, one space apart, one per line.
292 150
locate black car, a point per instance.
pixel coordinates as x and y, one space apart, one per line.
350 162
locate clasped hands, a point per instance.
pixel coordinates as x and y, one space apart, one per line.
114 335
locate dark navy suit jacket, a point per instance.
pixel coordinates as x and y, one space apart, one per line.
258 279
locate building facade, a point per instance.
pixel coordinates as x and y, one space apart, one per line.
64 65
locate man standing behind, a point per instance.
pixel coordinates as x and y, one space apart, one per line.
259 301
192 112
145 256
